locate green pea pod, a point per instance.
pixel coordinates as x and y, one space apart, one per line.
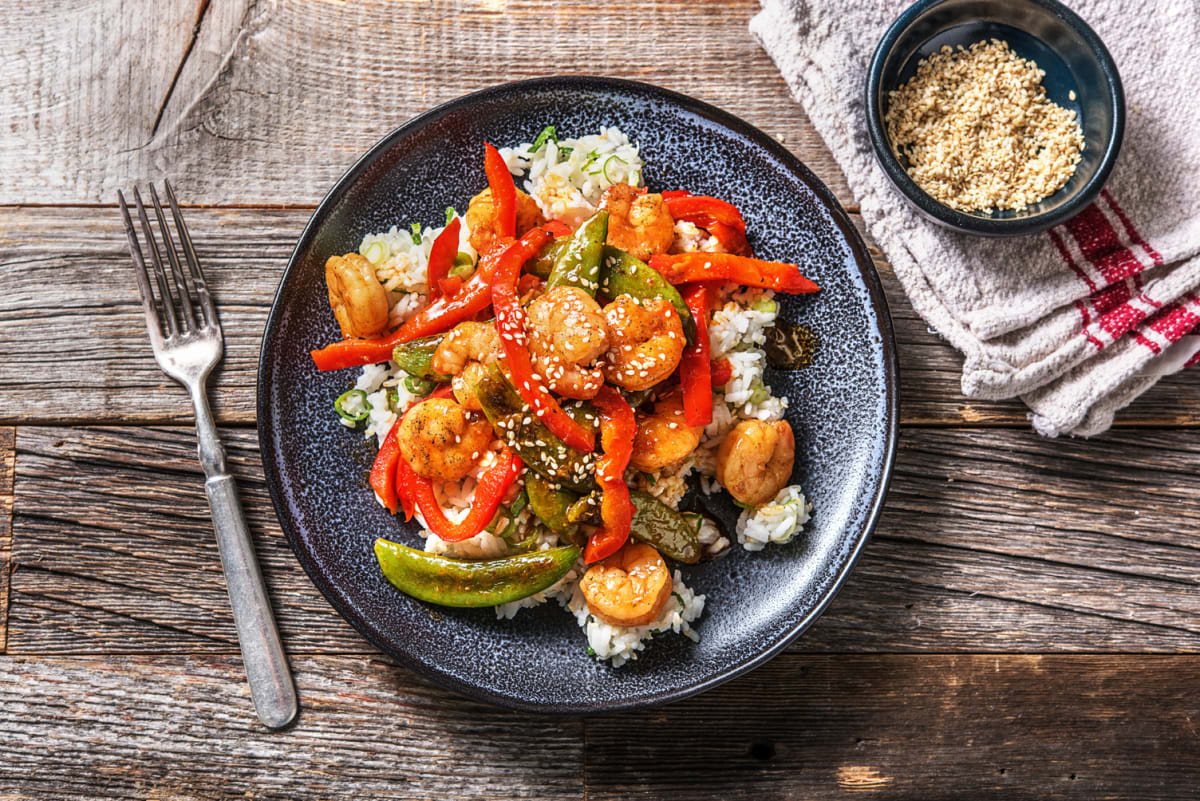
541 451
416 357
542 264
578 263
549 504
623 274
657 524
471 583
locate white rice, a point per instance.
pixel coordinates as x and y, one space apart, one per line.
621 644
566 177
775 522
690 238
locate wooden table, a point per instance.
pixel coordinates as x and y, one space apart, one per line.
1024 623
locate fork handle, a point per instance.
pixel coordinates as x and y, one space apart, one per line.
267 670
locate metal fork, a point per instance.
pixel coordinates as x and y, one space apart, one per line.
186 336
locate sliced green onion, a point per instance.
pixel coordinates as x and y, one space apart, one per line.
419 386
608 161
765 304
548 133
393 400
416 233
650 477
759 394
376 252
463 271
352 406
696 518
450 214
564 153
591 651
519 503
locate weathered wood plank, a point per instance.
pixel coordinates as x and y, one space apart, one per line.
898 727
7 458
75 261
184 728
275 100
1094 553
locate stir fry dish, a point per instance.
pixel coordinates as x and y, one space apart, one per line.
545 373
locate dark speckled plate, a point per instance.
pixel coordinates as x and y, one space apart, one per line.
843 407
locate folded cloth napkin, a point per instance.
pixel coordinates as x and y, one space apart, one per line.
1068 320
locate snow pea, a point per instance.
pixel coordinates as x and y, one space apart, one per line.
416 357
471 583
542 452
624 274
550 505
657 524
542 264
578 263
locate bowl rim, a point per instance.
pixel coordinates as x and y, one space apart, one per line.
988 226
877 301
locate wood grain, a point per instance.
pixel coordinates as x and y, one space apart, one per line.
183 728
892 726
7 458
102 370
992 540
276 99
896 727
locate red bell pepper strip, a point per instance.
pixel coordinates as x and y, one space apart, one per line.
488 494
695 369
671 194
504 193
441 256
558 228
702 210
383 472
617 431
510 324
449 285
732 240
683 268
721 371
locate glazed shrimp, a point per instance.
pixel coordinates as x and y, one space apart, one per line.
629 588
359 301
638 223
755 459
442 440
645 342
481 218
567 333
663 437
464 354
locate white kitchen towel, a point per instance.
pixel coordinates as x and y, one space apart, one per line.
1025 312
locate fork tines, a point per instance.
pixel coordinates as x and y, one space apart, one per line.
183 304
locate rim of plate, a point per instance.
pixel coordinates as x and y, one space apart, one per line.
878 302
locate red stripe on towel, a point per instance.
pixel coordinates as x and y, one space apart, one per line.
1099 243
1057 239
1130 231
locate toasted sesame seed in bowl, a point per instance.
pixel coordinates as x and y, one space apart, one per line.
994 117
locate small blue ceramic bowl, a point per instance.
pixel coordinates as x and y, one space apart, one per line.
1074 60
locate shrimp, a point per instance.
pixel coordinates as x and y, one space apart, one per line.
663 438
442 440
567 333
755 459
645 342
359 301
481 218
638 223
629 588
464 354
